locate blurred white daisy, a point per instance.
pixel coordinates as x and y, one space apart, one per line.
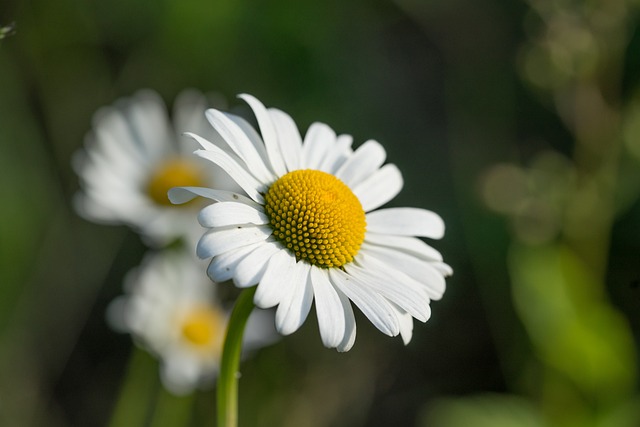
134 155
170 308
309 228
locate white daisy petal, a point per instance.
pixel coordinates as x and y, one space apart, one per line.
406 222
251 269
275 282
377 309
406 327
318 143
413 299
269 134
288 137
410 245
339 154
307 240
331 317
409 293
223 267
253 136
365 161
413 267
349 337
216 241
443 268
230 213
248 182
179 195
240 144
380 187
294 308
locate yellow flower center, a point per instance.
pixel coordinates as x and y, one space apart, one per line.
175 172
317 217
203 327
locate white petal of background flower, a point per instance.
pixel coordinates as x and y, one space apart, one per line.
131 141
160 294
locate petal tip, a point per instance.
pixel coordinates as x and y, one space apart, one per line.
180 195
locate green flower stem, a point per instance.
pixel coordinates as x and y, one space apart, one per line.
227 391
138 391
171 410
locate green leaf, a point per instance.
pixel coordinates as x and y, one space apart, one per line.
573 327
490 410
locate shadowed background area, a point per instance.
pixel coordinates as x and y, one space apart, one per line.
517 122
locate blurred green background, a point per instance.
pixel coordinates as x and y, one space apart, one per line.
517 121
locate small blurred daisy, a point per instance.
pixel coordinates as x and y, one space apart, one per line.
309 228
134 155
170 309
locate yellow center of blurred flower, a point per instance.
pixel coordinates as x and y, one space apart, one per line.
203 327
175 172
317 217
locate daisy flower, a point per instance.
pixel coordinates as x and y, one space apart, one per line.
170 309
134 155
309 228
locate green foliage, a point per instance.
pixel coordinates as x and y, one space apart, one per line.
490 410
585 346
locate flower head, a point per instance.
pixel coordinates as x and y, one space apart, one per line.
170 308
309 228
134 155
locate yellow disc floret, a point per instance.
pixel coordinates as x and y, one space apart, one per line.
175 172
203 327
317 217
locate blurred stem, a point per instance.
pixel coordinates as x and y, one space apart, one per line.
595 122
137 392
591 212
172 410
228 379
